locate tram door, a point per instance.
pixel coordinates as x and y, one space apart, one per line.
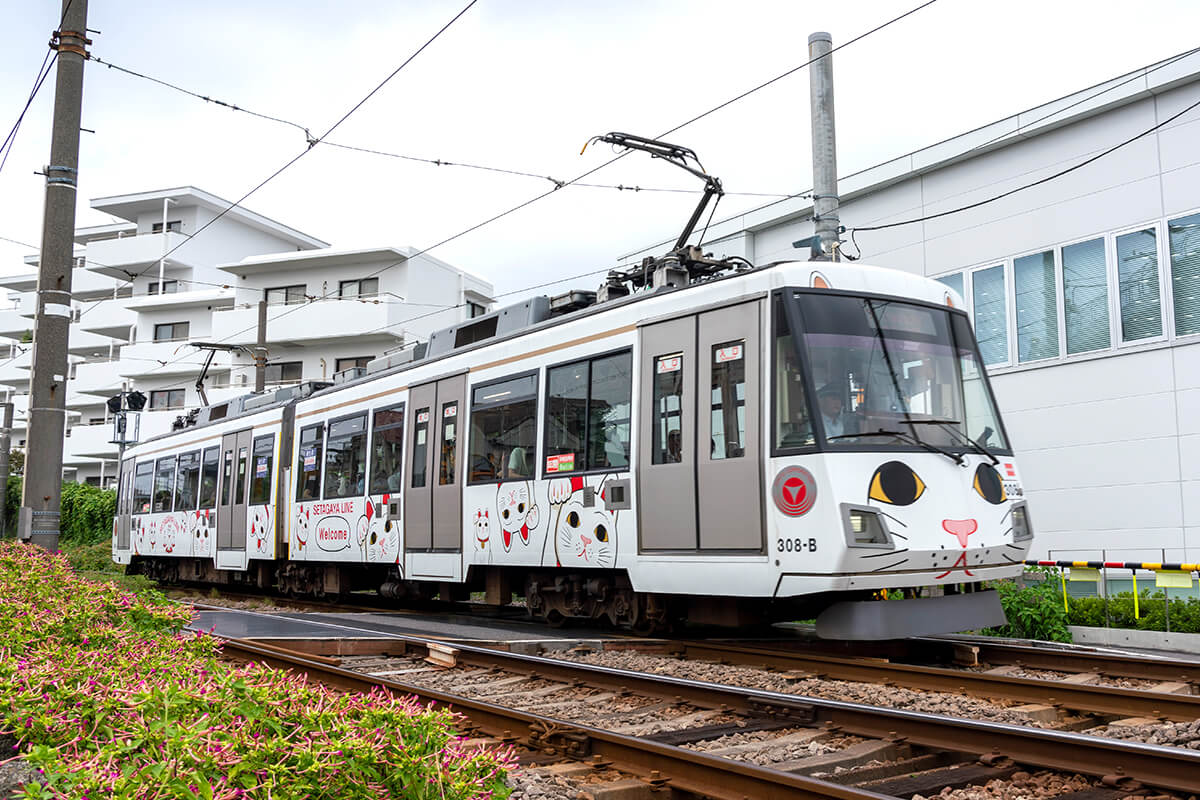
235 484
433 494
124 504
700 460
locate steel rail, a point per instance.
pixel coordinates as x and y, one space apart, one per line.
1083 697
683 770
1153 765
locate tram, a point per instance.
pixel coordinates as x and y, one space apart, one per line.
702 440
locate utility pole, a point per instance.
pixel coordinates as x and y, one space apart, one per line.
42 496
260 349
824 144
6 411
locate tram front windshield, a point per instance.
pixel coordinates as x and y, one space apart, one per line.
888 373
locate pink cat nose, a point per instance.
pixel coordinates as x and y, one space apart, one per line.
962 528
585 539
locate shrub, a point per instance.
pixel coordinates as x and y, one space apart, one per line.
107 697
87 511
1034 611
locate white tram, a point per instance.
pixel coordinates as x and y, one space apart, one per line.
758 443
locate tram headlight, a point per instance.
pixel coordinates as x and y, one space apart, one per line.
864 527
1022 529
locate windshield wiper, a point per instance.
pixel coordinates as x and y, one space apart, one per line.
904 437
948 425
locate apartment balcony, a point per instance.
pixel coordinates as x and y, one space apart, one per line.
13 324
99 379
15 370
193 298
326 321
86 343
88 442
116 257
111 318
165 359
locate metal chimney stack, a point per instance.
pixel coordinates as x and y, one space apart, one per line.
824 144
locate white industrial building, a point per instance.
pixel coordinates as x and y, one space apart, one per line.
1084 291
329 310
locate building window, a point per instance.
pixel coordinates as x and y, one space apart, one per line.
166 399
1137 283
208 478
188 482
955 282
1184 237
351 363
164 484
173 226
143 487
286 295
308 463
171 331
504 430
475 310
387 451
1085 296
363 287
168 287
284 372
588 414
991 318
1036 287
260 480
346 457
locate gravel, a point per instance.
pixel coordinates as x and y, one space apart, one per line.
1019 786
13 774
1171 734
849 691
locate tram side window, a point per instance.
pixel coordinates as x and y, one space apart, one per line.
143 487
208 477
728 400
420 457
346 457
188 481
308 463
449 444
793 428
588 421
504 430
387 450
164 484
243 458
668 409
264 459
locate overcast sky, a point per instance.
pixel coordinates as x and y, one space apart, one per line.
523 84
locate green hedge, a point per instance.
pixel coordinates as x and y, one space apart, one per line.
1185 612
87 511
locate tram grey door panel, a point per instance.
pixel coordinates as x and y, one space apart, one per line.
126 504
666 463
728 466
418 493
235 485
448 473
433 498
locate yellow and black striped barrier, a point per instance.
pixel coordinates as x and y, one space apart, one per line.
1175 575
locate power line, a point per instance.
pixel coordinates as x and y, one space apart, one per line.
43 73
1032 184
313 142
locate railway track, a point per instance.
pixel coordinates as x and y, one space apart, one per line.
674 726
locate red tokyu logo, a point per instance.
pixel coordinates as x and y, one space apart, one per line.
794 491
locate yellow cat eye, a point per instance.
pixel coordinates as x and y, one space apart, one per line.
989 485
573 519
601 533
896 484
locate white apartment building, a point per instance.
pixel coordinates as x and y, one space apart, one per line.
1084 291
136 313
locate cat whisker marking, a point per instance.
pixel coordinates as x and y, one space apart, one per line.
889 566
888 553
893 519
898 535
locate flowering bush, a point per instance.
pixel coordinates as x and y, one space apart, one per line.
109 698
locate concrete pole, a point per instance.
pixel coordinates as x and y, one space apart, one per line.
260 349
6 411
824 144
42 496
